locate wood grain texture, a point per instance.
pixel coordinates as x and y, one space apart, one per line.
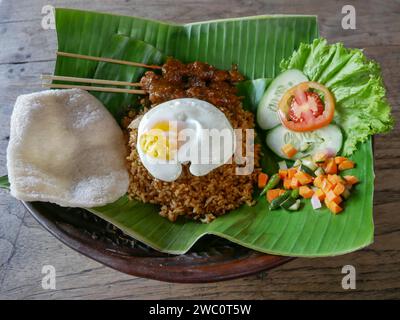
27 50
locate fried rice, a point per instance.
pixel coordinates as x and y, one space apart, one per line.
204 197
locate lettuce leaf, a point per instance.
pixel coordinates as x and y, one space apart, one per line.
361 105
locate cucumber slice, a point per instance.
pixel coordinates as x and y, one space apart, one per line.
297 163
325 139
275 204
295 206
288 203
319 172
307 170
309 163
267 117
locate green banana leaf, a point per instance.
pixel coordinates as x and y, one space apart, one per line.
4 183
257 45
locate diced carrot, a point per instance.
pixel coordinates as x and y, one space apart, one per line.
351 179
331 179
318 181
333 207
289 150
320 194
331 167
287 183
281 191
305 192
339 160
262 180
272 194
326 186
291 172
303 177
282 173
346 165
346 193
335 179
339 189
331 196
338 200
294 184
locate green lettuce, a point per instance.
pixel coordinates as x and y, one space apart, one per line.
361 105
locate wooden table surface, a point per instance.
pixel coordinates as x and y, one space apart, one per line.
27 50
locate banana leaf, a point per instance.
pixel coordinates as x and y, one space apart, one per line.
4 183
256 45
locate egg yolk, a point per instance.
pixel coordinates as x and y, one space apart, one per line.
160 141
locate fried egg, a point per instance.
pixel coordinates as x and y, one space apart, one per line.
184 131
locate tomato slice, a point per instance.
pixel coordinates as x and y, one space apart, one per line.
302 109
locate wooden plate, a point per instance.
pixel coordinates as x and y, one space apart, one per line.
210 259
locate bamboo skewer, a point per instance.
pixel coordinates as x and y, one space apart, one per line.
103 59
92 88
88 80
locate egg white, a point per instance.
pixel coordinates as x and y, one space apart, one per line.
191 115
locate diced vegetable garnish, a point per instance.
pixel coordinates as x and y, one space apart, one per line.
297 163
306 192
326 186
282 165
319 172
288 203
287 183
319 194
295 193
339 160
273 194
295 206
351 179
346 194
334 179
315 202
347 164
331 196
289 150
320 157
334 207
339 189
303 178
291 172
318 181
294 183
282 173
275 204
331 167
262 180
307 170
322 185
272 183
309 163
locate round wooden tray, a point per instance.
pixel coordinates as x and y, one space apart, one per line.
210 259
